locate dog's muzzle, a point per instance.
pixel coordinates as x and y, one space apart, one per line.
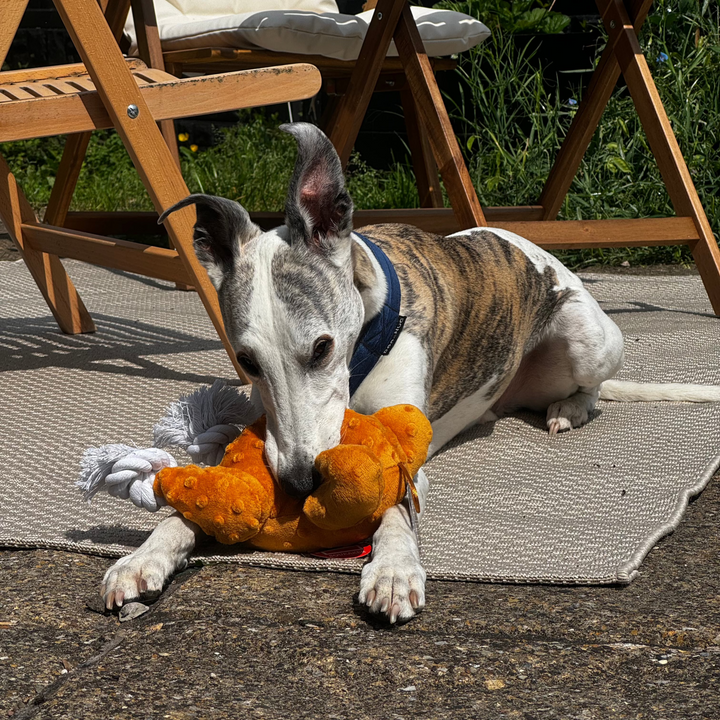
300 479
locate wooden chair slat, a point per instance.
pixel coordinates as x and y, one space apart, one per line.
16 92
30 117
56 71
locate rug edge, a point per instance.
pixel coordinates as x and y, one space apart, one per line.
628 571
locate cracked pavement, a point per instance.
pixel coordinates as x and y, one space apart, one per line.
226 641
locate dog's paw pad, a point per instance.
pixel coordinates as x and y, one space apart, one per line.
565 415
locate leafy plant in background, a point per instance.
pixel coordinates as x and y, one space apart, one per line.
512 124
517 16
251 163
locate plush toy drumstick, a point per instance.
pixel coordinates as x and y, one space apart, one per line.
362 477
239 501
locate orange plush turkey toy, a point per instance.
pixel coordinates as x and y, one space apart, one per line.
239 501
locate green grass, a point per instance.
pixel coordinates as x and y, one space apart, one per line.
251 163
514 124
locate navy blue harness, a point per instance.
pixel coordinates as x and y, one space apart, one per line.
380 334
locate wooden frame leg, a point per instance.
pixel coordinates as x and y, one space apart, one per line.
167 128
76 145
664 145
585 122
150 49
12 13
74 152
426 172
352 107
141 136
393 18
47 270
433 114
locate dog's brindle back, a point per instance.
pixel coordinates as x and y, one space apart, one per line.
476 303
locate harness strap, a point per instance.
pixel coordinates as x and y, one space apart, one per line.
381 333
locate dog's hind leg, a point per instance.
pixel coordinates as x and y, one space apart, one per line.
143 573
595 352
582 348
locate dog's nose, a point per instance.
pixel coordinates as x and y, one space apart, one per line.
299 481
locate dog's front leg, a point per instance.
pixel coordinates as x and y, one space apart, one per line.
143 573
393 582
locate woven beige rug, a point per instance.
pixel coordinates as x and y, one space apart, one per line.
507 502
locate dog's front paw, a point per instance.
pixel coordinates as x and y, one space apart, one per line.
139 576
393 587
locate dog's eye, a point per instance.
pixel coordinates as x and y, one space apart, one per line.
248 365
321 350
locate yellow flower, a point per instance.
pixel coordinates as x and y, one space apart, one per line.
183 137
194 148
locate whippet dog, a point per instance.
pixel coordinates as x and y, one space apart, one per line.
492 323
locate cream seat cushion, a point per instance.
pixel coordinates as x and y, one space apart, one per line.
306 27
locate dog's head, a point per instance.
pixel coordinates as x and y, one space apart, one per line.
290 304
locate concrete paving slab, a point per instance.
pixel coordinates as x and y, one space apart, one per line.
229 642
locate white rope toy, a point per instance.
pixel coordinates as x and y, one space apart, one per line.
202 423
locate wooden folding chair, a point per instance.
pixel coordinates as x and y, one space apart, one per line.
393 20
431 138
106 91
623 20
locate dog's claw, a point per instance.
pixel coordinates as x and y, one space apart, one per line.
394 612
135 577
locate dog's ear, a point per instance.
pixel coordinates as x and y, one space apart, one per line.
222 226
318 210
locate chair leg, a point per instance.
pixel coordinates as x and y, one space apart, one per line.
426 173
142 139
580 134
47 270
150 50
12 13
76 145
585 122
433 114
351 109
167 128
67 177
668 155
